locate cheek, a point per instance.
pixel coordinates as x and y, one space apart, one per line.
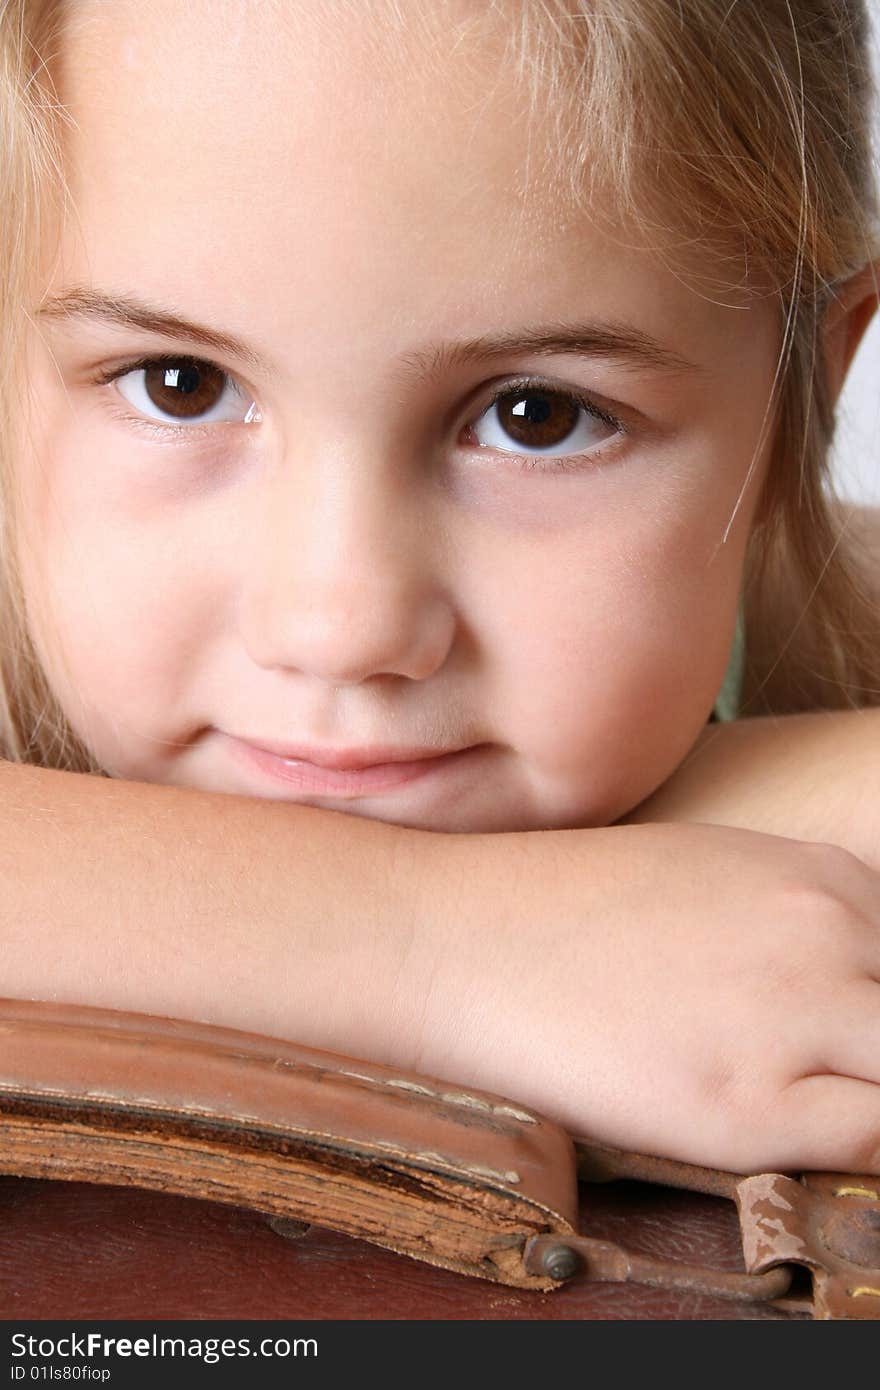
610 650
116 615
116 578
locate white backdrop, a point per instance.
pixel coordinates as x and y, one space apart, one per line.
857 454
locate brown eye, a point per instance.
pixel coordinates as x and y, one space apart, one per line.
184 390
549 422
540 419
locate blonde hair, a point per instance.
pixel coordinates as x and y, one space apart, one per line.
737 129
32 726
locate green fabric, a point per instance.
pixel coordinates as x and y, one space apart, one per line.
730 694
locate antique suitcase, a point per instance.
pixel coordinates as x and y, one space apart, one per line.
210 1173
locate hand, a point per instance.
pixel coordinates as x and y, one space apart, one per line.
698 992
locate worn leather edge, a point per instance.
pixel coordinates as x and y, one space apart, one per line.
461 1179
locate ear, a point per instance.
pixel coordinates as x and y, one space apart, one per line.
848 314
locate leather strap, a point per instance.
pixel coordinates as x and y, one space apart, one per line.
458 1178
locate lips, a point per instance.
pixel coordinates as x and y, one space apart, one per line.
345 773
347 759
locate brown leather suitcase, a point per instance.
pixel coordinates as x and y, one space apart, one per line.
214 1174
77 1251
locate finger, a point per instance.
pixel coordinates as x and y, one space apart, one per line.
852 1035
828 1123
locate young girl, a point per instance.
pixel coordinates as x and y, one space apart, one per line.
401 405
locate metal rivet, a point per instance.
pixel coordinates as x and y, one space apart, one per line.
288 1227
561 1262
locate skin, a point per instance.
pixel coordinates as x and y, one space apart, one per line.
361 566
817 771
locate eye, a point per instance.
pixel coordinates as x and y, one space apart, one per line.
546 420
182 390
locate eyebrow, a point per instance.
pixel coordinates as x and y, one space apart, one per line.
613 340
617 341
127 311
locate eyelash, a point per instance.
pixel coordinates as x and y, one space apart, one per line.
554 462
158 429
510 386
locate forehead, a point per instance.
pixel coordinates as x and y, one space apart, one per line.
316 114
259 79
251 157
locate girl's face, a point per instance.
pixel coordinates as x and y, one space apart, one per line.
430 463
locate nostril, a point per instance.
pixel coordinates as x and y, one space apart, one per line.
346 638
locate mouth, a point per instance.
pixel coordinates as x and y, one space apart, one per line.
348 772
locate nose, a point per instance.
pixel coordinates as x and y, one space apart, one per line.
341 581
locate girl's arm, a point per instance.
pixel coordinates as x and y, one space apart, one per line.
807 776
697 991
810 776
260 915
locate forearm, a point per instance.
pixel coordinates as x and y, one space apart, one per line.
252 913
414 949
571 970
809 777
